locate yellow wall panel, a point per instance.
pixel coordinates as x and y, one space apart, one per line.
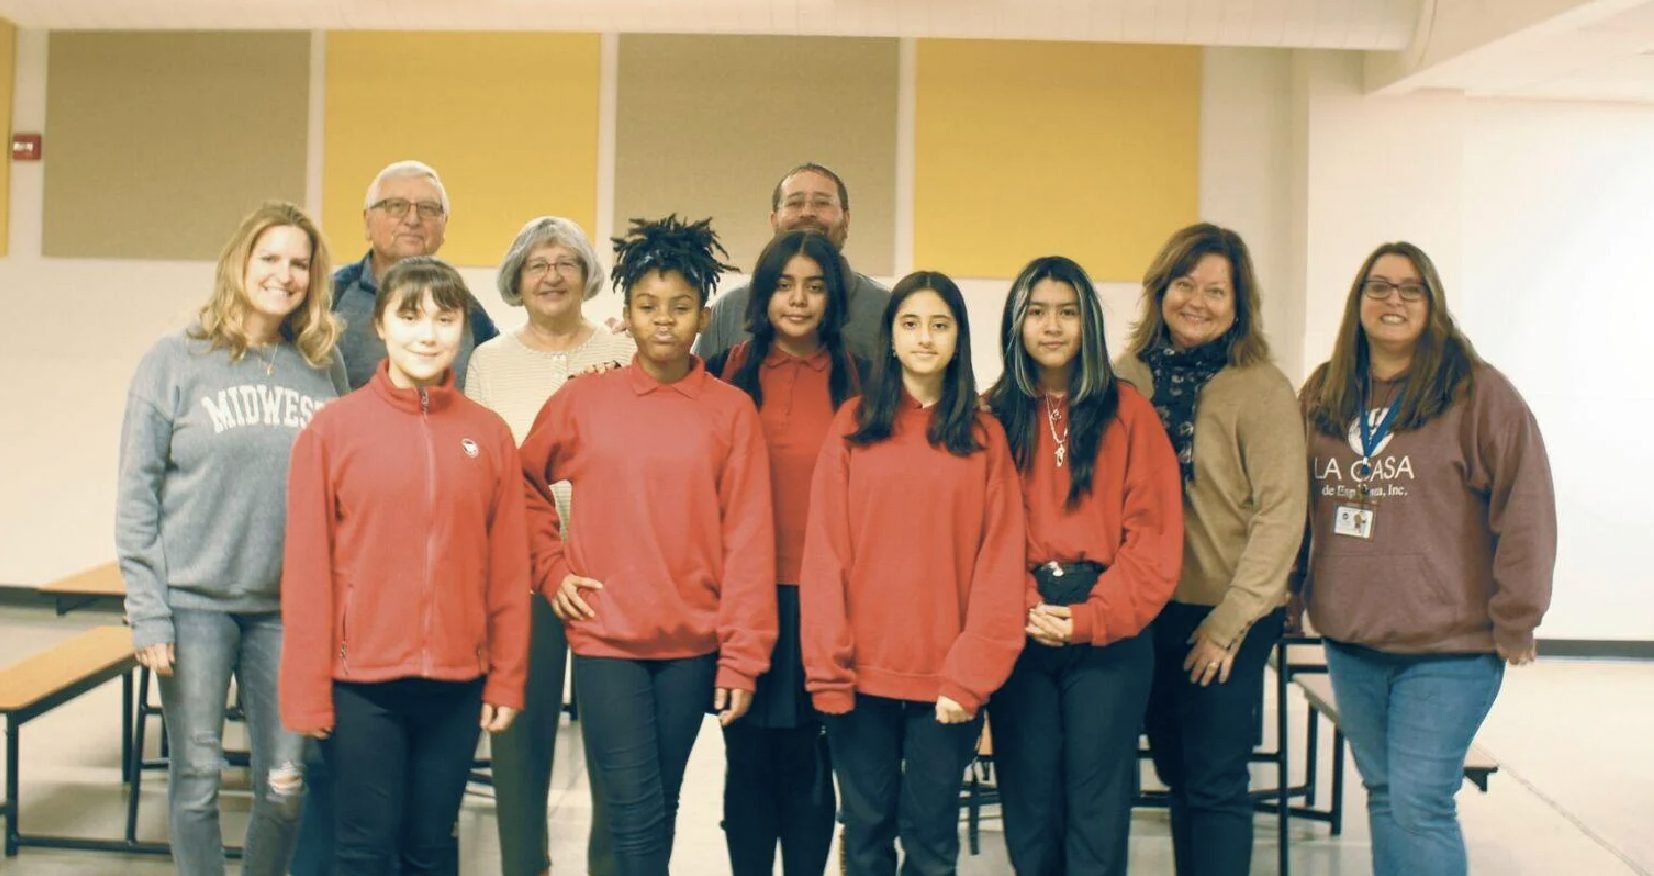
1024 149
8 68
508 119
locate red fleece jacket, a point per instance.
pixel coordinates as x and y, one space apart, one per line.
406 553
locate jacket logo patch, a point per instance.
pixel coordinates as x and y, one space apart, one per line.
469 446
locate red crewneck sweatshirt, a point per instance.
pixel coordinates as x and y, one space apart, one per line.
673 481
914 566
1131 521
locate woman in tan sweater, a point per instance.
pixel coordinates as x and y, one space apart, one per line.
1199 354
1433 542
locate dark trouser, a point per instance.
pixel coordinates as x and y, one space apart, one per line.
523 755
899 772
639 719
313 851
1202 740
1065 732
400 755
778 787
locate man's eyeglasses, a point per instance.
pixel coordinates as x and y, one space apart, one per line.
819 202
1380 290
396 208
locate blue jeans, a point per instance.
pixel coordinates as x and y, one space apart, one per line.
210 646
640 719
1410 719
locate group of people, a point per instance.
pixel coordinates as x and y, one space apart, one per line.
794 507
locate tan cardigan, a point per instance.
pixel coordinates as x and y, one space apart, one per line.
1243 514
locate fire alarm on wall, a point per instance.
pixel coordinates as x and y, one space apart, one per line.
25 147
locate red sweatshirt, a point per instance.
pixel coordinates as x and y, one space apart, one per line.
914 566
673 482
1131 521
797 409
405 553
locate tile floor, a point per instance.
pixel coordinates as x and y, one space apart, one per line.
1573 795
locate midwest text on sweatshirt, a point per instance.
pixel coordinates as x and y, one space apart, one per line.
202 490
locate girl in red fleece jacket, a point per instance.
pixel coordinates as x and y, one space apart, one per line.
913 580
667 581
405 585
1105 543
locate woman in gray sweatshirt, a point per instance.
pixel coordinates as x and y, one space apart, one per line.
210 420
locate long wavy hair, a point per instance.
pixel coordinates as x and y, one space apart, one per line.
1442 366
311 326
953 418
1093 396
1177 258
766 279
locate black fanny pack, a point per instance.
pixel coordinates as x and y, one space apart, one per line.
1066 583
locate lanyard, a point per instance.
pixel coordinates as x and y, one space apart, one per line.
1371 436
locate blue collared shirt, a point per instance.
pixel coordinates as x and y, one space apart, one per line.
354 291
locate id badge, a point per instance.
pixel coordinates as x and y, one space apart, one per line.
1355 521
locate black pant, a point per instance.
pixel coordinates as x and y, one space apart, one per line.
639 719
899 772
1202 740
1065 732
523 754
400 755
778 787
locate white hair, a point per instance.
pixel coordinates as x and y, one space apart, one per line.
398 169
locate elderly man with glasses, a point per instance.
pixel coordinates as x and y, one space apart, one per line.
406 215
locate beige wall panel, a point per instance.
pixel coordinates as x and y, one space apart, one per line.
8 63
158 143
705 125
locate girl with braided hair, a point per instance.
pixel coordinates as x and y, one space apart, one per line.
666 584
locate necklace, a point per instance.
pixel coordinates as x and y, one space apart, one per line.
1052 416
270 361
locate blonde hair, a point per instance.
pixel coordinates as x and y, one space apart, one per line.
311 326
1177 258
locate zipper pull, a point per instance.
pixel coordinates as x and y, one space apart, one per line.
424 401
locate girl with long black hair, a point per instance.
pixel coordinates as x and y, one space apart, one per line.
912 583
778 784
1105 541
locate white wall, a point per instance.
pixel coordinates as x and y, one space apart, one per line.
1536 214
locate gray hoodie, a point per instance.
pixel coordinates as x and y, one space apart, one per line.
202 499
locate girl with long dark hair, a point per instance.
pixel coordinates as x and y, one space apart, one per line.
1105 544
778 785
912 583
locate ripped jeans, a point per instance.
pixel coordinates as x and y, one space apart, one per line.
210 646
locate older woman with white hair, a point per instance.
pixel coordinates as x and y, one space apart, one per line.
550 271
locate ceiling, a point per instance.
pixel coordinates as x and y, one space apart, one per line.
1557 49
1324 24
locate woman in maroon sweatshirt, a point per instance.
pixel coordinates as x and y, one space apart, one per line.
913 582
778 785
667 581
1105 543
405 585
1433 540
